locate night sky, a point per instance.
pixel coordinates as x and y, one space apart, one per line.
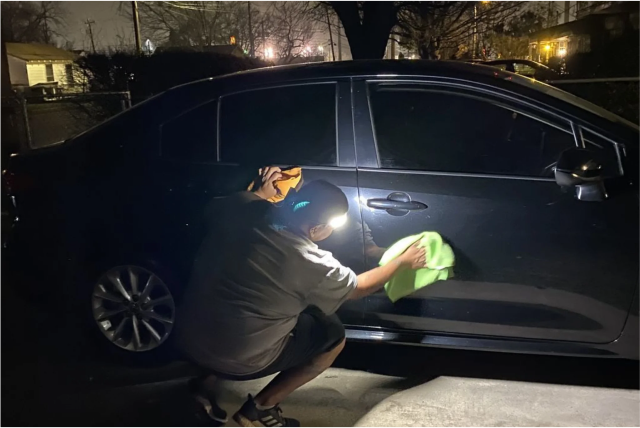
108 22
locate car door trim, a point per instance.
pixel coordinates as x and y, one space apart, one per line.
455 174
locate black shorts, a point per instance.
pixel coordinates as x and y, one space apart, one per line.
314 334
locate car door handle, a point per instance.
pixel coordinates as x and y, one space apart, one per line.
396 201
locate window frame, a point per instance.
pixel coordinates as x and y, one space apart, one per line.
48 67
336 87
509 100
177 116
69 74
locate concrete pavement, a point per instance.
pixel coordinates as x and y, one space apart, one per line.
347 398
449 401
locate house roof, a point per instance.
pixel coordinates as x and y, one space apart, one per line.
38 52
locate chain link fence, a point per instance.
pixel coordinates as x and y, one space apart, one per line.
42 121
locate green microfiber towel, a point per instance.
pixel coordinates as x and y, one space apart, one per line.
440 261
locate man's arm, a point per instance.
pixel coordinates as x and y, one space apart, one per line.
370 282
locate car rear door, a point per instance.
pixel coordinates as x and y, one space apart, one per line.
532 261
303 124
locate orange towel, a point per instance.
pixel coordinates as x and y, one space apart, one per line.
291 179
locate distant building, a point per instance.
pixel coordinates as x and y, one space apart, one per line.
42 69
594 27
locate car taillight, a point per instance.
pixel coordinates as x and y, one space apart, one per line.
17 182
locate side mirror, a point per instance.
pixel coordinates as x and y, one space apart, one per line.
578 168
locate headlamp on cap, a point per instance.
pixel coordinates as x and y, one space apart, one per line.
338 221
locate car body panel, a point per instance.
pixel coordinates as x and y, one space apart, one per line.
109 190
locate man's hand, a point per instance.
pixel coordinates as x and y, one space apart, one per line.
369 282
266 182
414 257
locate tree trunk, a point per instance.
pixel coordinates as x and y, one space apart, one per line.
368 36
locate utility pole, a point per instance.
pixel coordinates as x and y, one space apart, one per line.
136 26
339 42
252 51
90 23
333 52
264 42
475 31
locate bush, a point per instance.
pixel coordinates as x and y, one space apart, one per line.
144 76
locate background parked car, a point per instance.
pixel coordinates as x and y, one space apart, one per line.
532 69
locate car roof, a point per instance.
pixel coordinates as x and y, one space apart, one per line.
336 69
459 70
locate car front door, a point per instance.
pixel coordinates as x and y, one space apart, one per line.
306 125
532 261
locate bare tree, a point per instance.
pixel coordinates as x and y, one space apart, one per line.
431 27
33 22
199 24
294 27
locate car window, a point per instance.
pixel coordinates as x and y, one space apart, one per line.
421 129
604 152
524 69
500 66
293 125
192 135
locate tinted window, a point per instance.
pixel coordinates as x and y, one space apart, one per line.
293 125
192 135
438 131
524 69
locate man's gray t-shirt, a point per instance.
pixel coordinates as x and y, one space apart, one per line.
249 284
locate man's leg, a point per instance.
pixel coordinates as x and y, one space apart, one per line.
315 343
202 389
290 380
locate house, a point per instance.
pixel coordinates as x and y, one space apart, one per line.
592 30
42 68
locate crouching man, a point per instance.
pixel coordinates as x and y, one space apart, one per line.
263 296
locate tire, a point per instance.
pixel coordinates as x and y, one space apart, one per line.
130 307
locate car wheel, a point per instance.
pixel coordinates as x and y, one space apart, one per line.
134 308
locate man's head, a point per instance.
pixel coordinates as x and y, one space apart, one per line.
317 209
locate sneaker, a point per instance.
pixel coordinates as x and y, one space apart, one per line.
250 416
207 401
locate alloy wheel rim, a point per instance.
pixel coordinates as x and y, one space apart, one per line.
133 308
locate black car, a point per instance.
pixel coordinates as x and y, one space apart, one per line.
527 68
536 191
